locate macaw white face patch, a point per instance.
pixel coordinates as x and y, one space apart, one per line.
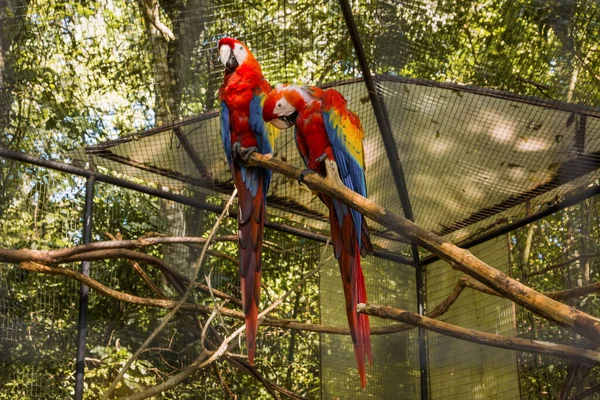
283 108
240 53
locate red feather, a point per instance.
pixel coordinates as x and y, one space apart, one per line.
313 141
353 282
237 91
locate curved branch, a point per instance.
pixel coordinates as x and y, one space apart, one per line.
58 255
197 308
488 339
562 314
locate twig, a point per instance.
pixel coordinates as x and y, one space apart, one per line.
183 299
223 384
199 362
136 267
488 339
587 393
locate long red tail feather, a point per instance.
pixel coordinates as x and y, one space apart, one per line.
353 281
251 212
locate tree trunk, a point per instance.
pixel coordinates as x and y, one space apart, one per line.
172 50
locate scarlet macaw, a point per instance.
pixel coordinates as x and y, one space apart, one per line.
329 138
242 96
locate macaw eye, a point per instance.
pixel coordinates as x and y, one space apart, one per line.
278 105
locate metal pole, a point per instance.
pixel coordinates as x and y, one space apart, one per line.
397 172
567 202
83 291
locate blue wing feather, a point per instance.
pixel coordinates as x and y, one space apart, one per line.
250 176
226 132
351 172
261 130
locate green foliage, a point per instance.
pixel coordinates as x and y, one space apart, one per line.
77 73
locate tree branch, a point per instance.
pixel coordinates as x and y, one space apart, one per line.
59 255
564 315
487 339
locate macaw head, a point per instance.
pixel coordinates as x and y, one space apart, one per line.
234 53
283 105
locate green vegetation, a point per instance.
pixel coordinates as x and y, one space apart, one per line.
76 73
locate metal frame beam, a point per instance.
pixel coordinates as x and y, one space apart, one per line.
567 202
71 169
397 172
84 290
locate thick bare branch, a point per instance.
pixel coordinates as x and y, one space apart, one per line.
60 255
564 315
488 339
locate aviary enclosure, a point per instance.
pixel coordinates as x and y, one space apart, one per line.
481 125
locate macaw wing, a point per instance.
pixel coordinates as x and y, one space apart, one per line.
265 133
345 134
226 132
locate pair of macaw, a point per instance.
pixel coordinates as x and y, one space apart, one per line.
329 138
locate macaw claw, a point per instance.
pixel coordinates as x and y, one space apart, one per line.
305 172
247 152
241 152
321 157
236 149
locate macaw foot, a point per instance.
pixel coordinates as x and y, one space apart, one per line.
333 175
236 149
305 172
247 152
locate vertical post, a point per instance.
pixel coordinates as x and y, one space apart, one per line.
84 290
420 279
397 172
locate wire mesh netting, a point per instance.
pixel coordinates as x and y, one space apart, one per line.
554 254
395 366
38 313
464 370
494 111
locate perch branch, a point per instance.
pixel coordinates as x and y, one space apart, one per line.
488 339
197 308
178 305
564 315
59 255
118 249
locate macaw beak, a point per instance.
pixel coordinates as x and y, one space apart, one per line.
232 63
228 58
285 121
279 123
